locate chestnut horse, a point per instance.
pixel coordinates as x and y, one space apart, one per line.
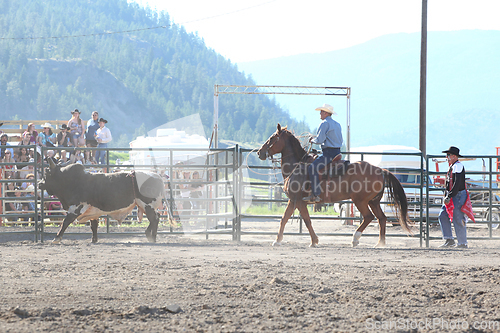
361 182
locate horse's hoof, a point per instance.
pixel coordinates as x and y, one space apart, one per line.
314 245
276 244
355 238
380 244
56 241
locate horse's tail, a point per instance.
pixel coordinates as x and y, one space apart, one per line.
398 197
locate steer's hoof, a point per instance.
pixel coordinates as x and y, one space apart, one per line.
94 240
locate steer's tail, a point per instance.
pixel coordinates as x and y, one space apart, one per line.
167 204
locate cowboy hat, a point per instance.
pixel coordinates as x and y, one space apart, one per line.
102 120
327 108
75 110
453 150
46 125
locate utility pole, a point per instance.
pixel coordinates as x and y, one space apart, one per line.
423 81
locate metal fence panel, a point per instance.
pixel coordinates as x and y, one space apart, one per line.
233 193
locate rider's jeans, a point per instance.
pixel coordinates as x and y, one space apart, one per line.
318 164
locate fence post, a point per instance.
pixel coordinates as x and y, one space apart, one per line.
427 219
236 195
490 195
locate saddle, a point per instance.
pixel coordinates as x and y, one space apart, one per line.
335 168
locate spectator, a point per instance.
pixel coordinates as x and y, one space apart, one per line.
185 190
4 138
77 157
47 138
26 171
196 192
30 195
21 207
22 157
76 125
10 169
33 133
10 206
51 155
63 157
63 137
28 181
92 127
55 206
26 139
87 158
103 137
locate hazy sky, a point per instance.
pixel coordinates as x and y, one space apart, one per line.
261 29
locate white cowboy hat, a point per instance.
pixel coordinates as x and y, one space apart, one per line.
327 108
46 125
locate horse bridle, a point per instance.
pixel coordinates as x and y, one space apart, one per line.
270 143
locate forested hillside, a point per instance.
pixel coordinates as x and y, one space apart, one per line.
137 80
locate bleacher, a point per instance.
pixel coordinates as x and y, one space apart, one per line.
15 128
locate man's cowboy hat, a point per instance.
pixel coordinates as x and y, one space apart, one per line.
327 108
46 125
453 150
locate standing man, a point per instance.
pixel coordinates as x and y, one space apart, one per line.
455 192
329 136
92 127
102 136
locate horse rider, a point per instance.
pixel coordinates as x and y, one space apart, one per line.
329 136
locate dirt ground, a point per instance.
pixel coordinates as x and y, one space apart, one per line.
185 283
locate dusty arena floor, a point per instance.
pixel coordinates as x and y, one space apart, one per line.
190 284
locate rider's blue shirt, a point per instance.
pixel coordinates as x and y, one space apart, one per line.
329 134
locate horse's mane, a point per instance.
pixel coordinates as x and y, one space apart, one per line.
297 148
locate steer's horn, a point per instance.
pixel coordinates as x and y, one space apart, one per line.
51 163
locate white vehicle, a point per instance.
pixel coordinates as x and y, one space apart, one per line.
405 163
